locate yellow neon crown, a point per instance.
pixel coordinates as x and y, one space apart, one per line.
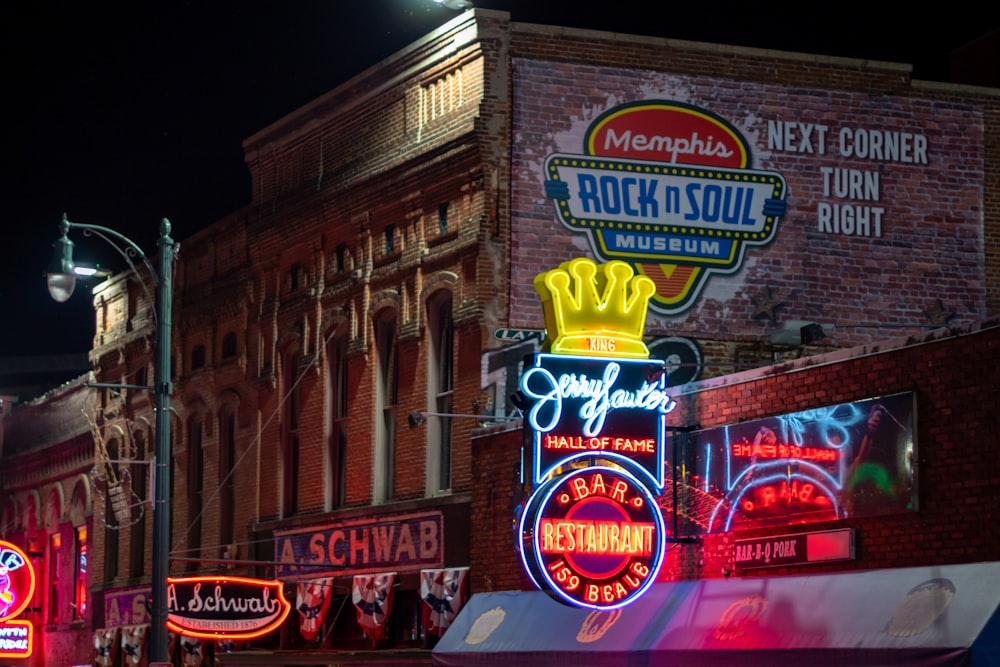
597 310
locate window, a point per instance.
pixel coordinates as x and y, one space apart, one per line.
195 482
229 345
341 260
386 388
55 565
296 277
390 239
440 390
291 411
443 218
80 575
337 440
198 357
110 525
227 459
137 540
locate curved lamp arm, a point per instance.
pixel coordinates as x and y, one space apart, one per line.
61 281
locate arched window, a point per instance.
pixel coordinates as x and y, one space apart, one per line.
195 488
229 345
137 538
110 524
290 414
386 397
440 390
337 389
227 461
198 357
78 514
297 277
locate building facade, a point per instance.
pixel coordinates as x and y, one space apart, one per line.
48 512
345 347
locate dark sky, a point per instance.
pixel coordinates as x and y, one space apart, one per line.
122 113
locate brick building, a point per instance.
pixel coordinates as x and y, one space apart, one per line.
47 449
397 222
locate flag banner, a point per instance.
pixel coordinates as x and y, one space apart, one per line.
228 645
134 644
105 646
192 651
442 594
312 600
372 596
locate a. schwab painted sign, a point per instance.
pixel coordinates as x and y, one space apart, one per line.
401 543
591 533
717 189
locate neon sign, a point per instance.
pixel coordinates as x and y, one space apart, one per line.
840 461
17 580
16 639
589 406
594 536
17 586
225 607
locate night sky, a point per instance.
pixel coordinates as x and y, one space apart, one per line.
120 114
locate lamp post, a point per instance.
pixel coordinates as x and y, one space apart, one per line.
61 280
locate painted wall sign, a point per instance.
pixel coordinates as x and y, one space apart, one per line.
17 580
667 186
405 543
797 549
591 533
126 606
225 607
719 188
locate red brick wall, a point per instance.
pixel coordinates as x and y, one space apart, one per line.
955 378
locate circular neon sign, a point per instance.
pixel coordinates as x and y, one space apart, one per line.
17 580
593 537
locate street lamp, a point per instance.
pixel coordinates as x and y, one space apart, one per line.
61 277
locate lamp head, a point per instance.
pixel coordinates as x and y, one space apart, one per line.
415 419
60 275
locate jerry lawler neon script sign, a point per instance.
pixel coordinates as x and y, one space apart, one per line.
593 536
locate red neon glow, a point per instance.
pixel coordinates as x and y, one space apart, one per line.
225 607
797 492
16 639
768 451
619 589
17 580
595 485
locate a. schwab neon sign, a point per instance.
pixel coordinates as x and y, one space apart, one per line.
591 534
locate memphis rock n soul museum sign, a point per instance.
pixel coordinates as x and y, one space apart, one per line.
591 533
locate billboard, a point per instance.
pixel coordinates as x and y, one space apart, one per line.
834 206
833 462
